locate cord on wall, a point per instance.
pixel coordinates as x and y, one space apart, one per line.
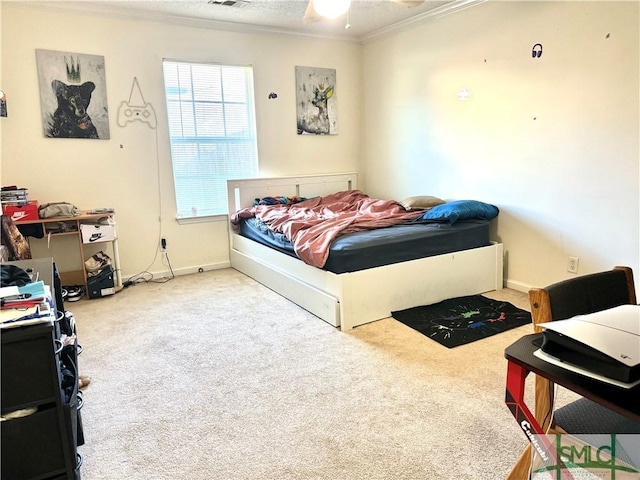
145 275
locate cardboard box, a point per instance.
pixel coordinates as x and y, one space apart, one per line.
22 213
95 233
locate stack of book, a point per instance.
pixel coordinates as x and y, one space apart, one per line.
13 195
26 305
15 204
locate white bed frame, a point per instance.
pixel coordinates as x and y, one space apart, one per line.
350 299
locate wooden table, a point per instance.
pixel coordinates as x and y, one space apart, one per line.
73 224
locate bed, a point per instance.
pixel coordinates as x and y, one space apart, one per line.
353 296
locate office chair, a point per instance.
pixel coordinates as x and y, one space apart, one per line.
568 298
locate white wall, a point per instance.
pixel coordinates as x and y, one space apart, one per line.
132 171
552 141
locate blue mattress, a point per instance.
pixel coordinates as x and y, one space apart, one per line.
384 246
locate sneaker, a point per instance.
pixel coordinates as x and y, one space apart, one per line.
83 381
97 262
74 293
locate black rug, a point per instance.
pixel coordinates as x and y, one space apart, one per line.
462 320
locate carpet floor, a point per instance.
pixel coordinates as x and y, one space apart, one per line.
213 376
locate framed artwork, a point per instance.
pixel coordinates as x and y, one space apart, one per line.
73 95
3 104
316 98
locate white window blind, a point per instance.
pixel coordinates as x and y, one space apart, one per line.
212 132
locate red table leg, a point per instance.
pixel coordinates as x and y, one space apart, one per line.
516 376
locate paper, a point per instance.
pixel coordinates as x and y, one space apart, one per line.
9 291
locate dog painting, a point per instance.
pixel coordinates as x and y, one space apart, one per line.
73 95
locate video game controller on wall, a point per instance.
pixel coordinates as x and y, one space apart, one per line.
130 113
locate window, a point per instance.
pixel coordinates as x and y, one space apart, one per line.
212 133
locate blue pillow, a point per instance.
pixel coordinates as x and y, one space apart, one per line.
461 210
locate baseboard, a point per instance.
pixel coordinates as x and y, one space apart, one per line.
519 286
515 285
159 274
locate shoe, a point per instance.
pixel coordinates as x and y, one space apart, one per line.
97 262
83 381
74 293
67 339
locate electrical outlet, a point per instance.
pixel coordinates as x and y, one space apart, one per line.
572 265
163 244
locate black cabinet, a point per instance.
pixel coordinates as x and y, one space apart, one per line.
41 427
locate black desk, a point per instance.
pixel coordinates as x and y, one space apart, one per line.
521 362
623 401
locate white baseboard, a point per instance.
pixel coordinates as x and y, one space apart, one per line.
515 285
159 274
519 286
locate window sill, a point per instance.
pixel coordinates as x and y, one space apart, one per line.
201 219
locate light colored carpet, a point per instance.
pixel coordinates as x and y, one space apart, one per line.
213 376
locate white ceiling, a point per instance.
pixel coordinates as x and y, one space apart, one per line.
367 18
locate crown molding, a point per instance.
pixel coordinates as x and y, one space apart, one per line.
112 11
439 12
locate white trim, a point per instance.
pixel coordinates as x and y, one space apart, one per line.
163 274
439 12
201 219
519 286
112 11
91 8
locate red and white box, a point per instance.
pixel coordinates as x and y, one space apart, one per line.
22 213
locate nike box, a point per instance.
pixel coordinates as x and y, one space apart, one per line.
21 213
101 285
96 233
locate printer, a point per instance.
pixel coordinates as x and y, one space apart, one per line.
604 345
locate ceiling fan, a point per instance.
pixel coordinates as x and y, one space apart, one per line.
319 9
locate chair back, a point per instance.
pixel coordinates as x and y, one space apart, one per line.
582 295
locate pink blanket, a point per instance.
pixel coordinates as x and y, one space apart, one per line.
313 224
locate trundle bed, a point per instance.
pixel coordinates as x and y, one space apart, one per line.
352 294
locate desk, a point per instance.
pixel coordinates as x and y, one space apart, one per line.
74 229
521 361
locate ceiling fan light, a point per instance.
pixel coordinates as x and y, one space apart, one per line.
331 8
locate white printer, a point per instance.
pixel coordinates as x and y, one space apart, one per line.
603 345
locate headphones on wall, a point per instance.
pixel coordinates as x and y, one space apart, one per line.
536 51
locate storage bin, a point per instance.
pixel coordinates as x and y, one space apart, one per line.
29 367
31 446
